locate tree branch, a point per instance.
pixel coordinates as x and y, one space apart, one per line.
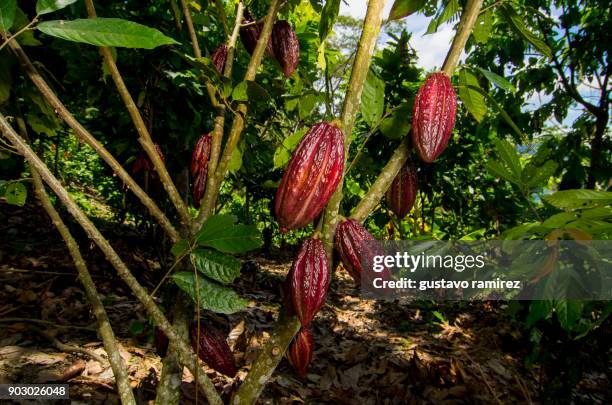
466 24
141 128
89 139
104 327
182 346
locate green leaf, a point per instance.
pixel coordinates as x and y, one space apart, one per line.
541 309
473 100
397 124
372 99
216 265
403 8
49 6
220 232
7 14
249 90
561 219
211 296
282 154
236 159
535 176
499 81
306 104
180 248
106 32
580 198
499 170
483 26
450 10
328 18
26 37
517 24
15 193
508 154
568 313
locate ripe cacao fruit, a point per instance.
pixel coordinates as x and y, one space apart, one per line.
250 35
219 56
299 353
144 163
160 342
433 116
350 237
402 192
307 282
285 46
213 349
199 167
312 175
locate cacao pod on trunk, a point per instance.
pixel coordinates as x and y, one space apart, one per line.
285 46
433 116
213 349
402 193
219 56
350 237
311 177
160 342
199 167
250 35
144 163
306 285
299 353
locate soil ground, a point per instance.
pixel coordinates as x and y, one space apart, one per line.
366 352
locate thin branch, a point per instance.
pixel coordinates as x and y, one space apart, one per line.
145 138
104 327
16 34
182 346
89 139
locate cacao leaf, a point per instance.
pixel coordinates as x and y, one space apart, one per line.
449 12
222 233
473 100
579 198
397 124
7 14
563 218
15 193
516 23
482 27
372 99
507 153
568 313
106 32
499 81
534 176
49 6
211 295
497 169
403 8
216 265
538 310
328 18
282 154
249 90
180 248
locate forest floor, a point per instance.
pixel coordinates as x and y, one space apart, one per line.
366 352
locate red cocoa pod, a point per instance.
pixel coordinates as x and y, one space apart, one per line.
402 193
350 239
199 167
433 116
311 177
218 57
307 282
285 46
299 353
250 35
160 342
144 163
213 349
200 155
